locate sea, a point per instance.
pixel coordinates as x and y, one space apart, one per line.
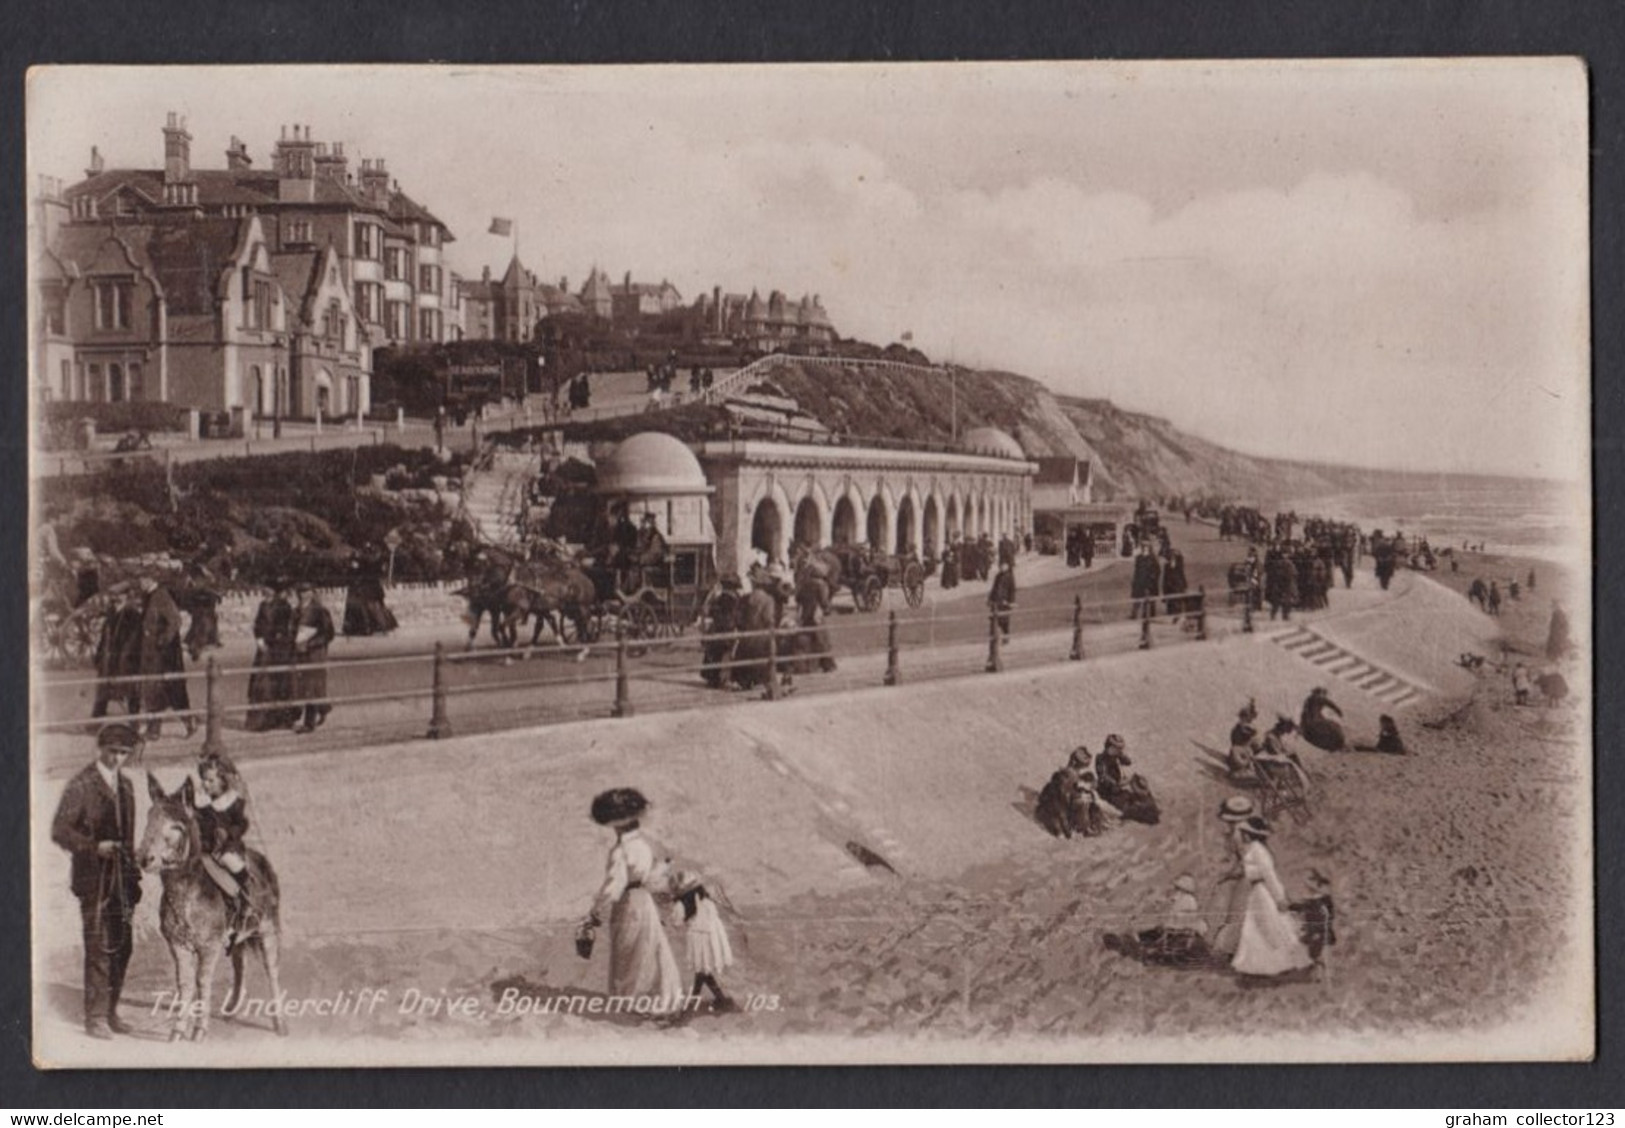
1541 519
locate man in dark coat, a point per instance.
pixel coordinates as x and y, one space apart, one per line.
271 685
1146 584
118 653
95 823
160 658
313 631
1174 582
812 646
1001 597
1086 546
721 619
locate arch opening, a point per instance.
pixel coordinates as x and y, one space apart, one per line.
877 524
809 524
844 526
767 530
905 527
931 528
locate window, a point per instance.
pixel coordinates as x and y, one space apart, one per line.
56 311
369 302
429 324
67 379
113 298
395 264
333 323
299 231
429 279
137 386
399 322
115 383
97 390
429 234
257 291
366 241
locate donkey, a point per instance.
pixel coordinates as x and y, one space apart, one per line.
195 918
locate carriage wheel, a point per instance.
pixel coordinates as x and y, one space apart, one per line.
914 584
78 640
869 594
53 647
641 622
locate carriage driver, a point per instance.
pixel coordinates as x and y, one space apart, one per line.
650 551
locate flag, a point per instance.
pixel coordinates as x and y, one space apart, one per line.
908 335
501 227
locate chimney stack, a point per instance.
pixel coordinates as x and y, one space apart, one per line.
96 162
177 150
237 158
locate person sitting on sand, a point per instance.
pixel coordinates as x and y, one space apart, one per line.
1388 739
1275 758
1179 942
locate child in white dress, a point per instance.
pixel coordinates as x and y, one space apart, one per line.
709 952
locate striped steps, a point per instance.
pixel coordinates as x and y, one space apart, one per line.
1385 685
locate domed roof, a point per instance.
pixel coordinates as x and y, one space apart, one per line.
651 462
992 441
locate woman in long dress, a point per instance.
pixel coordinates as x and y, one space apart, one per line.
641 964
1225 935
1270 944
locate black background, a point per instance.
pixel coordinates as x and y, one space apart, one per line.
528 31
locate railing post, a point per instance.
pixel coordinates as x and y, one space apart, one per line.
214 710
439 723
623 680
1201 613
994 662
1247 611
1077 629
1145 631
893 673
773 661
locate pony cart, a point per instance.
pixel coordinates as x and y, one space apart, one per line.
867 574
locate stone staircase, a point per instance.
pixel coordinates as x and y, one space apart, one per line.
1385 685
494 496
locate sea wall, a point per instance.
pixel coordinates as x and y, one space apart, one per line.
774 799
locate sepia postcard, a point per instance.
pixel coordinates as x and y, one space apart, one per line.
987 562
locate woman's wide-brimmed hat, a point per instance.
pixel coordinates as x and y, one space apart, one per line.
687 881
1114 741
618 804
1237 808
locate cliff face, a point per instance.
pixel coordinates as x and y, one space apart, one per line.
1133 455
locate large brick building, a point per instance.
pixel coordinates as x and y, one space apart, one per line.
236 286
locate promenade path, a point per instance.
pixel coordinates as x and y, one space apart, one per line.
492 691
614 394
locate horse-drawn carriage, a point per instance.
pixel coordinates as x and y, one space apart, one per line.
583 599
865 573
67 634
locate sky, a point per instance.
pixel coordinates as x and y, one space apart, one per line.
1378 263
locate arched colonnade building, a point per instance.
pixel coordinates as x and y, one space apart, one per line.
769 495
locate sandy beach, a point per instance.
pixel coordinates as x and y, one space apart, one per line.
1457 871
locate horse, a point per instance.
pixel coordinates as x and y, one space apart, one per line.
488 595
195 918
551 599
